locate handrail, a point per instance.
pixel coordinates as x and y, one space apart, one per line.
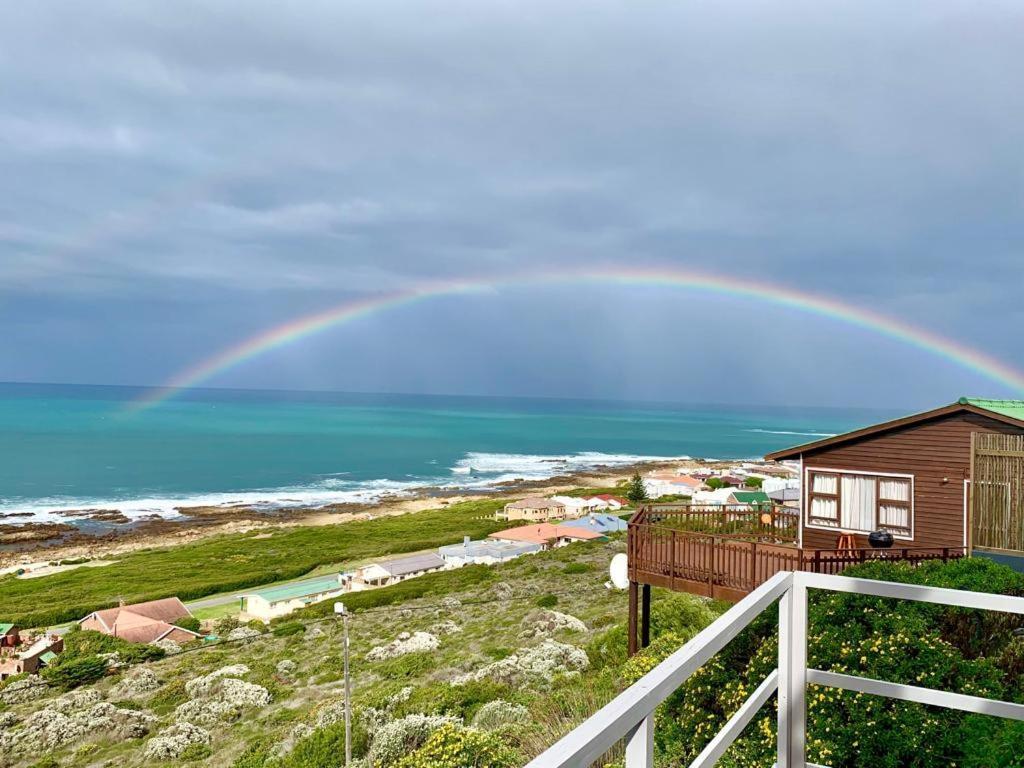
630 715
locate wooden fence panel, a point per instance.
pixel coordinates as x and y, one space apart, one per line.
997 491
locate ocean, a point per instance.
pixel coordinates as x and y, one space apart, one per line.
81 447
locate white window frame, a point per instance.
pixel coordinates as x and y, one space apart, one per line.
805 518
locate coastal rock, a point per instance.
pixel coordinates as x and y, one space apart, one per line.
172 742
547 622
286 667
451 603
417 642
539 663
7 720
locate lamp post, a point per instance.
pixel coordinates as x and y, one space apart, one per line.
339 608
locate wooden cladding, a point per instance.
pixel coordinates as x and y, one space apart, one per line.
997 492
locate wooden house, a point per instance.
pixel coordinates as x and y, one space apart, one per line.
944 483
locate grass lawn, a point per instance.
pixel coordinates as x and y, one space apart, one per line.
227 563
217 611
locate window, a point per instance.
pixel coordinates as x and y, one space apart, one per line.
860 502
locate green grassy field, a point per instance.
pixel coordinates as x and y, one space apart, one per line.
226 563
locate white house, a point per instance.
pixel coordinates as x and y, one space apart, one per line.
485 552
578 507
671 483
389 572
267 604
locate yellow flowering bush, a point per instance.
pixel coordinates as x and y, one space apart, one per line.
452 746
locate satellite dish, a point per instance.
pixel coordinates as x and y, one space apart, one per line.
619 571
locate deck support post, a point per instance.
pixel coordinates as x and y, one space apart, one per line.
631 631
645 616
792 722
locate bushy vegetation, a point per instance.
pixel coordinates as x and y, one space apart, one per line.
453 747
933 646
74 672
226 563
191 623
635 490
754 482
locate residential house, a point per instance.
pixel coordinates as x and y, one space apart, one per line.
142 622
8 636
534 509
607 501
576 506
786 497
40 652
389 572
485 552
909 476
601 522
267 604
658 484
546 535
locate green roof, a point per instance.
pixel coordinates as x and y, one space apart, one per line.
5 628
47 657
751 497
299 589
1012 408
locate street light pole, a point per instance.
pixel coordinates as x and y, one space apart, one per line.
340 608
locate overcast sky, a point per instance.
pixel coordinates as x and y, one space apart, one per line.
175 177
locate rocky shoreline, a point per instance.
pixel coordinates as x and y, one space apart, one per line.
106 532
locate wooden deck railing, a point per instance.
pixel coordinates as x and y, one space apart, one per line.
665 551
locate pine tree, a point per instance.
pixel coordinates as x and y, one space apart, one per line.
635 491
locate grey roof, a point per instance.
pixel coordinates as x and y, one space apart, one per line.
404 565
534 502
499 550
785 494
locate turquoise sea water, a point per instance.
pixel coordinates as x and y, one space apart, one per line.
70 447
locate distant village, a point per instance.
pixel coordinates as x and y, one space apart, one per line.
539 523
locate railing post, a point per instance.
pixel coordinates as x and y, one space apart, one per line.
640 745
792 720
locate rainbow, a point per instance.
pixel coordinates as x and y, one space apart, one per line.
303 327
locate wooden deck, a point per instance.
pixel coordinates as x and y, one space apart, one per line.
726 552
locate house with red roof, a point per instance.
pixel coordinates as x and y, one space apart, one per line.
142 622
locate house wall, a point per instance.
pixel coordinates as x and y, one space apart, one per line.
932 452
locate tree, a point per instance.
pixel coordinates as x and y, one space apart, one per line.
191 623
754 482
635 491
714 483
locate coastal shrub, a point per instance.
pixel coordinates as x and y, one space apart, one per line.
452 746
547 601
191 623
194 752
258 753
325 748
289 628
462 701
574 568
754 482
224 625
74 672
87 642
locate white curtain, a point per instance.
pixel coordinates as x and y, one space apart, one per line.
825 484
858 503
894 490
898 517
823 510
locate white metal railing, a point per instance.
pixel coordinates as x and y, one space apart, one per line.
630 715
